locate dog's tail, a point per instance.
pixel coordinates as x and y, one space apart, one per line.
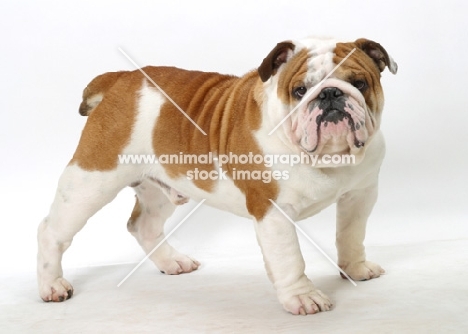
94 92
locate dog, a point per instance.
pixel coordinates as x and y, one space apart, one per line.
314 97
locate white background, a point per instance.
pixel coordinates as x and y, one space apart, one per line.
51 50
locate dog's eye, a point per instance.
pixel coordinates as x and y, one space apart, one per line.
299 92
360 84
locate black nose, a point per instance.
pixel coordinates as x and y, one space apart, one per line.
332 103
330 93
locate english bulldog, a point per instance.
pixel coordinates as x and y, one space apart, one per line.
298 102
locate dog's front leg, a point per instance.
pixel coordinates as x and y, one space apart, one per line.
285 266
353 209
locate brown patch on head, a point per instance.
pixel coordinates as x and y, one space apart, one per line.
226 109
292 76
359 66
108 128
366 63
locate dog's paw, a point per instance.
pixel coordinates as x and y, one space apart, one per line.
309 303
177 264
57 291
362 271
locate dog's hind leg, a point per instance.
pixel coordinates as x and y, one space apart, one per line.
80 194
146 224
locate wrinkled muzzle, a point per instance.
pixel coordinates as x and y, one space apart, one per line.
334 122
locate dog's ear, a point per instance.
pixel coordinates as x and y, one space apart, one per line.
378 54
276 57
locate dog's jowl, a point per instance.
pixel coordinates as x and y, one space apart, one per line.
297 103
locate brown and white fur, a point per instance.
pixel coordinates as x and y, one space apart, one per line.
129 115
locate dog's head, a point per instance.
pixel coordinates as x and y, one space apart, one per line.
326 95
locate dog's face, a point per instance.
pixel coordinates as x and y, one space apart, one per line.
334 90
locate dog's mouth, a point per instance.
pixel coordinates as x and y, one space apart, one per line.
333 124
337 123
